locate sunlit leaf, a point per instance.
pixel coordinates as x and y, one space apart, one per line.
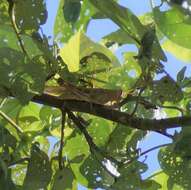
175 25
80 46
181 53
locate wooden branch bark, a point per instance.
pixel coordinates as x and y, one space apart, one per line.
107 112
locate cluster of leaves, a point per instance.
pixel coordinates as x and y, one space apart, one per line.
98 152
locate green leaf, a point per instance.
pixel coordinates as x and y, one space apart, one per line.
181 53
9 39
7 183
71 10
150 46
39 170
71 53
12 108
125 76
125 146
4 16
64 180
100 130
130 177
29 15
18 174
28 118
175 25
75 146
119 36
3 167
6 138
181 75
162 179
122 17
176 169
63 31
162 90
94 172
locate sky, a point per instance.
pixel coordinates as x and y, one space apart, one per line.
98 29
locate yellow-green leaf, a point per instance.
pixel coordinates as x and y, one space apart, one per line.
80 46
71 53
181 53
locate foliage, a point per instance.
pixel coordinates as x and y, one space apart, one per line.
72 113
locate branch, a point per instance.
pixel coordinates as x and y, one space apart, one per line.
107 112
153 148
92 145
61 139
83 130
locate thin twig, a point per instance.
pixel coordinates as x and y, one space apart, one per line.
155 174
19 161
3 102
172 107
153 148
147 151
12 18
147 104
62 139
165 134
9 120
80 126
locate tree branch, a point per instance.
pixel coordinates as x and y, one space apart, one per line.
93 147
107 112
